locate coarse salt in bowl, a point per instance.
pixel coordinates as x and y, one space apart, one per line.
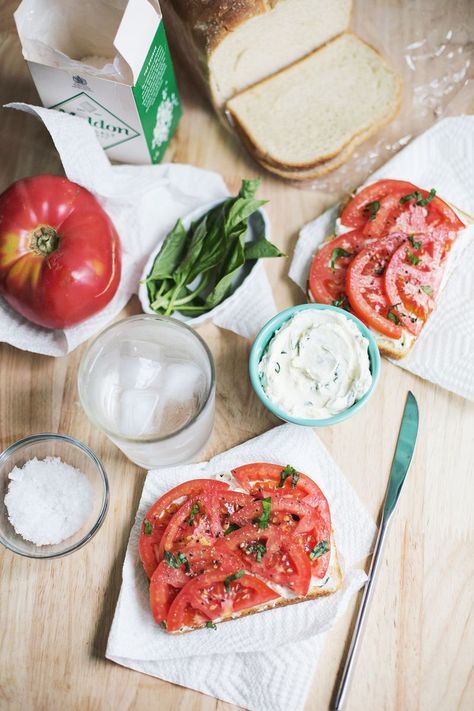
69 485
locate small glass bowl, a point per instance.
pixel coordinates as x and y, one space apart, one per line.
72 452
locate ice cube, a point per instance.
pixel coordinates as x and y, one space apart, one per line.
183 381
139 414
140 364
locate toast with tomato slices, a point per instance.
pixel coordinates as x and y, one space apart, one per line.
246 541
394 249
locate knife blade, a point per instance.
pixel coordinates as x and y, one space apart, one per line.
400 466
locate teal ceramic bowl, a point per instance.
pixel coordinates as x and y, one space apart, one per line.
260 346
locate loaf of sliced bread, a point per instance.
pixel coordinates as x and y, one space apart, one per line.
233 45
307 118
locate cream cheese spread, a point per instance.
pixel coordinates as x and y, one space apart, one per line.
316 365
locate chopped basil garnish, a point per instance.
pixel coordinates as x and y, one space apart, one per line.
418 198
335 254
427 289
211 625
277 367
378 271
414 243
147 528
394 314
411 258
230 578
372 209
285 473
176 561
232 527
342 303
194 511
259 549
263 519
319 550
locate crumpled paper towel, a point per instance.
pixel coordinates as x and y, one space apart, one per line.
144 202
442 157
247 661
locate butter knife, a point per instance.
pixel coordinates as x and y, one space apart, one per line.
400 466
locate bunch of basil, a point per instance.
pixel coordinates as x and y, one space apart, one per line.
209 253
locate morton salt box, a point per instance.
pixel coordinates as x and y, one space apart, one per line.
108 62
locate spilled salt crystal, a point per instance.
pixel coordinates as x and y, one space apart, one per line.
47 500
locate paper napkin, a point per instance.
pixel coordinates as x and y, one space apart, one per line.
144 202
247 661
442 157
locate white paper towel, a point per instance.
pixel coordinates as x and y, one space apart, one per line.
144 202
248 661
443 158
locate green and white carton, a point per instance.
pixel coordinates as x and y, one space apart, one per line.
106 61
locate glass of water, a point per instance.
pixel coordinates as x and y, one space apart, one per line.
148 382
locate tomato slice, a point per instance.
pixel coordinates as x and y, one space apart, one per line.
263 478
413 277
283 509
327 274
167 580
366 289
375 209
207 597
274 554
159 515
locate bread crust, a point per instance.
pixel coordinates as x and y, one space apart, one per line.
283 602
339 156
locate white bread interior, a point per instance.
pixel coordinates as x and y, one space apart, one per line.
315 105
268 42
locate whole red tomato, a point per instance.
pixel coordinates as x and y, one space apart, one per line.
60 256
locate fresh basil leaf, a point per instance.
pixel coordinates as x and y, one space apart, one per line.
211 625
234 261
249 188
413 242
240 211
176 561
412 259
147 528
372 209
427 289
170 253
342 303
261 249
194 511
231 527
230 578
426 201
319 549
259 549
418 197
335 254
265 516
285 473
394 315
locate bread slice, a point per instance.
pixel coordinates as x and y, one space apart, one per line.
328 586
232 45
399 348
320 106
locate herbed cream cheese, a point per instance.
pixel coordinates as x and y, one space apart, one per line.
316 365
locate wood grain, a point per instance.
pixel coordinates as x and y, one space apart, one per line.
55 616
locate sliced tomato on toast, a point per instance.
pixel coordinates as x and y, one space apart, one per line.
216 594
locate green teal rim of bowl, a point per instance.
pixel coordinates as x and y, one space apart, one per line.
262 341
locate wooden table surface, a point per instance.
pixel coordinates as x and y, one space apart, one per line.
55 616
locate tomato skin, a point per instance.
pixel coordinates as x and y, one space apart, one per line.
159 515
365 288
75 280
262 478
354 214
324 284
205 598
